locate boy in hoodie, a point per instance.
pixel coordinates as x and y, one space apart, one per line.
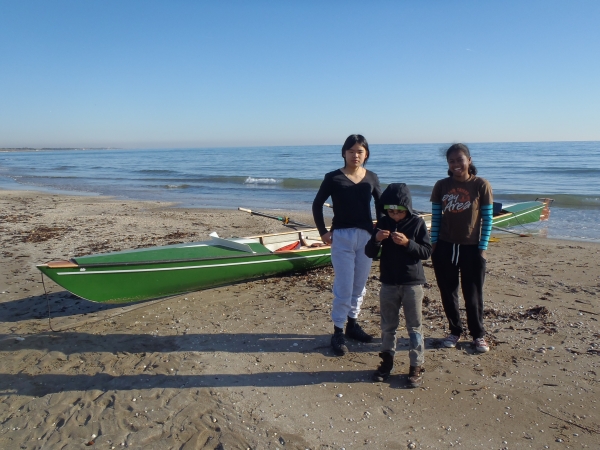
403 239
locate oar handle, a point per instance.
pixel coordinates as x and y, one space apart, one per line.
245 210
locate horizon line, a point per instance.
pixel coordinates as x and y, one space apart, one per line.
5 149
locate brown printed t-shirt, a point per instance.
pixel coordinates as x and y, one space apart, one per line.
461 203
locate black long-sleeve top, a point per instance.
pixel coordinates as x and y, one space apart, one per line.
351 201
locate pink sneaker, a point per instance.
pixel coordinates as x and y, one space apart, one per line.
451 340
480 345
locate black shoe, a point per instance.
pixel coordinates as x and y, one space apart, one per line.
354 331
415 376
338 343
385 368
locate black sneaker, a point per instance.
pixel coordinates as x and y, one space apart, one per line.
338 343
385 368
354 331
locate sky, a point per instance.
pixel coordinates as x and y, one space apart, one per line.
173 74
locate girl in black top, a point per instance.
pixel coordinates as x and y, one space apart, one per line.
350 189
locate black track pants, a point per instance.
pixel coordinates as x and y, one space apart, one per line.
450 260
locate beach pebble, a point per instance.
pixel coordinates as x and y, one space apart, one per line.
340 395
19 338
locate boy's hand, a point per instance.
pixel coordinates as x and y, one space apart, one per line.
381 235
400 239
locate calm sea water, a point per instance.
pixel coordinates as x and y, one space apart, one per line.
287 178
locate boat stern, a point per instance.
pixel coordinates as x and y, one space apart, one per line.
545 214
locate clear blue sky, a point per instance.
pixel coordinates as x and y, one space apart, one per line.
244 73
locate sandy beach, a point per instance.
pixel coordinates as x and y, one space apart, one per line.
249 366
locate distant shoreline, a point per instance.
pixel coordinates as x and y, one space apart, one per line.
22 149
29 149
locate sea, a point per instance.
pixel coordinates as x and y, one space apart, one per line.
287 178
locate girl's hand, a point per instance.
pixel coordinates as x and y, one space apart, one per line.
400 239
327 238
483 254
381 235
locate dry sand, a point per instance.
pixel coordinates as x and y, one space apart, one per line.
249 366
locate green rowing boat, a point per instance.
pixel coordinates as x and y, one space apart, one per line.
522 213
155 272
515 214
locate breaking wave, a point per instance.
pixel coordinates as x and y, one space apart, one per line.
269 181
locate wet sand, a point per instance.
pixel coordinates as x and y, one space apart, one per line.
249 365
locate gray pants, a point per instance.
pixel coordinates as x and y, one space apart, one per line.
410 298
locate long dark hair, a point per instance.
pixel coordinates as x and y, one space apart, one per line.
351 141
465 150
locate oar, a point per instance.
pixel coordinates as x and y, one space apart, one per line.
285 220
510 231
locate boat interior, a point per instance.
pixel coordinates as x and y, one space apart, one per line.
292 240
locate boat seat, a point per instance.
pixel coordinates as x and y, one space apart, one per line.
276 242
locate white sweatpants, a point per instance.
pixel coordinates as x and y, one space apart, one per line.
351 267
